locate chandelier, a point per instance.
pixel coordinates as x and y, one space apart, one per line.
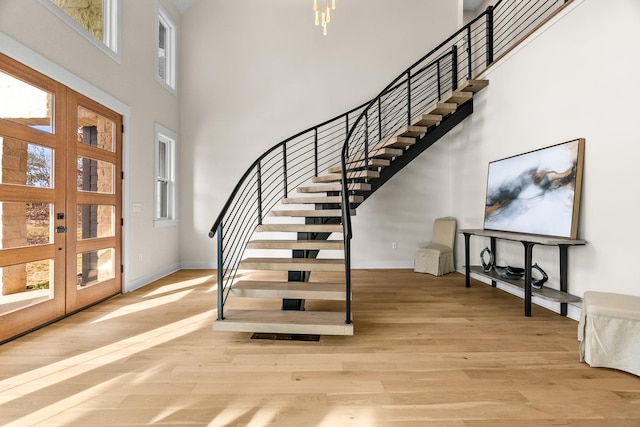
323 15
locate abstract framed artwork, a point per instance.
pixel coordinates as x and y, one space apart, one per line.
536 192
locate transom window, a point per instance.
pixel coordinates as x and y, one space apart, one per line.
165 49
97 20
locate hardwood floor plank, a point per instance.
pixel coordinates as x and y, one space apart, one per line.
426 351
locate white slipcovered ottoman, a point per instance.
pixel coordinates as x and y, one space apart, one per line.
609 331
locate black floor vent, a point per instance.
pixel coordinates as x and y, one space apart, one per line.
285 337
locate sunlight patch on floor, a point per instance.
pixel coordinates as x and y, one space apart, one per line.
176 286
143 305
50 375
68 403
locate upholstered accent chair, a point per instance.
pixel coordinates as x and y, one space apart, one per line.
437 257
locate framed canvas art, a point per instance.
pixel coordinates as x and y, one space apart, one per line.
536 192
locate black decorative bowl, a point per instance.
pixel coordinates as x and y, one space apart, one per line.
515 270
503 272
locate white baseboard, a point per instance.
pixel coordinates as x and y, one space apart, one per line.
198 265
132 285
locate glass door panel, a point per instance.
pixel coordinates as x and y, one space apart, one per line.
25 104
93 203
32 161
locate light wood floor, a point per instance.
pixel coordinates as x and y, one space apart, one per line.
426 351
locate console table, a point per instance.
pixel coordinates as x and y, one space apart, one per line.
528 241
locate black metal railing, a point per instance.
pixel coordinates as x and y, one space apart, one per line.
355 134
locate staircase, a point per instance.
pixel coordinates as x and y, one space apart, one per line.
333 168
322 212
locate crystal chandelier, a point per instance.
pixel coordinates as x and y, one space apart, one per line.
323 15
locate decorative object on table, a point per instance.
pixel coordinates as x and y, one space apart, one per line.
516 271
504 273
535 282
536 192
487 266
437 257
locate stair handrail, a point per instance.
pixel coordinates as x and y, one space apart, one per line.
396 83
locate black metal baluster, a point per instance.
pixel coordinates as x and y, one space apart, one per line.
345 187
284 167
347 272
454 67
438 79
259 178
380 118
409 98
315 150
489 35
366 139
469 66
220 275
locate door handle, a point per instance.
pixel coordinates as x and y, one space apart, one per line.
61 229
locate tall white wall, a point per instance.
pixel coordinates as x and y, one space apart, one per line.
32 34
255 73
574 79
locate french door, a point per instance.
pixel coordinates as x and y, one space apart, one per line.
60 200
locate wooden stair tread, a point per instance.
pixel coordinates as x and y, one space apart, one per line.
292 264
354 186
457 97
395 142
296 244
333 177
473 85
289 321
386 153
360 164
412 131
291 290
429 120
300 228
309 213
320 200
443 108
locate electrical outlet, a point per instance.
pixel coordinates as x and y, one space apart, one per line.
394 245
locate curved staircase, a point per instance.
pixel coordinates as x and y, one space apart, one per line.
333 168
321 220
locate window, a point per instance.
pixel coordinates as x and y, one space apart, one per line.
97 20
165 49
165 173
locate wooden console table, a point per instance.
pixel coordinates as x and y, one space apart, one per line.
528 241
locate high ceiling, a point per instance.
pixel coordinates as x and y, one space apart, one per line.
183 5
